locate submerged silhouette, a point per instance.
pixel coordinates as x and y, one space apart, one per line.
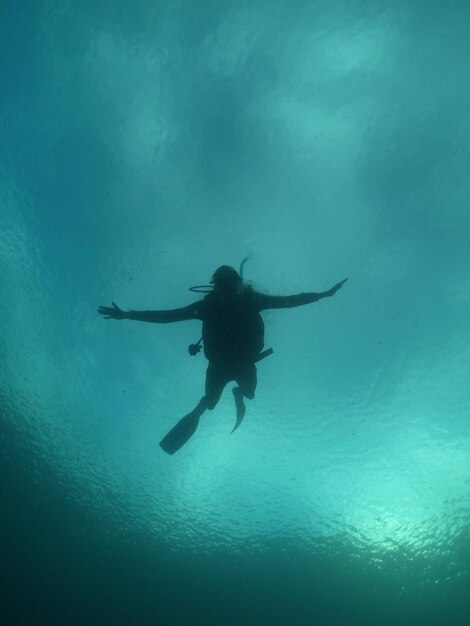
232 336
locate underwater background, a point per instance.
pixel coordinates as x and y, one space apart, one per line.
143 145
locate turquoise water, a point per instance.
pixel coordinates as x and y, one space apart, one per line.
143 145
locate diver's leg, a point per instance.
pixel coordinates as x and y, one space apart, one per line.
247 380
216 379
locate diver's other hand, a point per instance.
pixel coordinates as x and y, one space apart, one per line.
114 312
333 290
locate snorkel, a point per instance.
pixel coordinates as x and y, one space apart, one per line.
242 265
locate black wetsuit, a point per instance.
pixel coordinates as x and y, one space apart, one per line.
232 331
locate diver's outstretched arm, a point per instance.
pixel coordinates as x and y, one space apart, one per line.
286 302
190 312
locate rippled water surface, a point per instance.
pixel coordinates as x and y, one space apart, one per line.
143 145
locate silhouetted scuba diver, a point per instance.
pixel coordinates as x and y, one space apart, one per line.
233 338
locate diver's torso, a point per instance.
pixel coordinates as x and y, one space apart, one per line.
233 331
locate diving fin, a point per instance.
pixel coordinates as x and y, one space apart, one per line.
183 430
241 409
238 394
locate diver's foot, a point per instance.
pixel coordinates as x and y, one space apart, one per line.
241 409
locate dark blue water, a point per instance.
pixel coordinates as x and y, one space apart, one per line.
143 145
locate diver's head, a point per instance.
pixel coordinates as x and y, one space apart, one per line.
226 279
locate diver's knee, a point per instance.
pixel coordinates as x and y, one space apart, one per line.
247 393
211 403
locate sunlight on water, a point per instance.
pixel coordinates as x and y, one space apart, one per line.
175 155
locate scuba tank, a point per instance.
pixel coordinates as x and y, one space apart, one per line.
195 348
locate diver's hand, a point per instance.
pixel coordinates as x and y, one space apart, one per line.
113 312
333 290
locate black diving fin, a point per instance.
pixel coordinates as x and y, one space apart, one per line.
241 409
238 395
183 430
